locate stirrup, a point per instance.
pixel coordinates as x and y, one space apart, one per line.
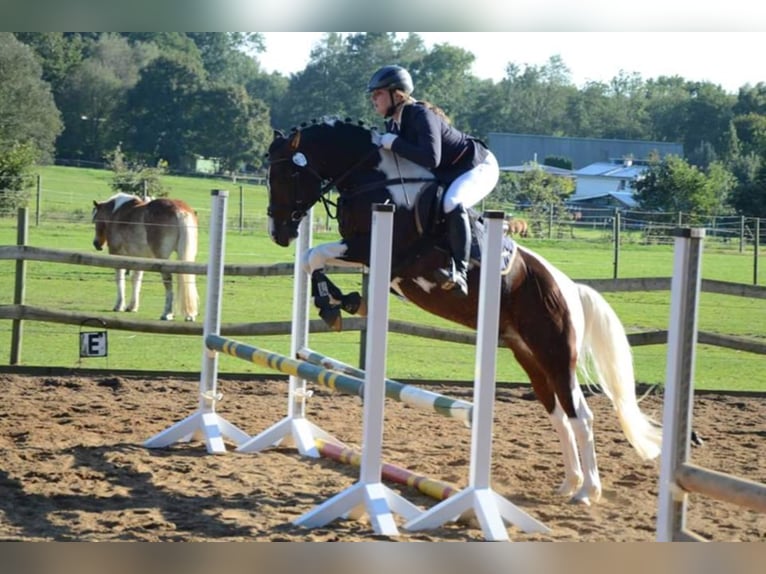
449 279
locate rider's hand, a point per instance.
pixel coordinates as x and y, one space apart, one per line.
387 140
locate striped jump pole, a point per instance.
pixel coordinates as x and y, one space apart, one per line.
303 369
430 487
342 383
408 394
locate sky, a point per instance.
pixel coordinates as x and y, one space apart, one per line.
725 58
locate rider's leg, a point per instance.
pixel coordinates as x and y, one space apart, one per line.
465 191
459 238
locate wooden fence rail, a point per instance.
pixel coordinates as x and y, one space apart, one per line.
22 312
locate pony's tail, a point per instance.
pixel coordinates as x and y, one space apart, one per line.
188 297
607 360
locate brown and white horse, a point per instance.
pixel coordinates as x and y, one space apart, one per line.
138 227
556 328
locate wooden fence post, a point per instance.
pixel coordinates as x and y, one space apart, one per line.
756 243
38 198
616 223
17 330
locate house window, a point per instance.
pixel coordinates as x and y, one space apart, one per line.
622 185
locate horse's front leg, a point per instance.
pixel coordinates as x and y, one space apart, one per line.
167 282
119 279
138 277
328 298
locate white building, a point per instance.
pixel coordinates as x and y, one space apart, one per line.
608 182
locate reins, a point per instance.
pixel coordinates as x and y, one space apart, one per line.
335 182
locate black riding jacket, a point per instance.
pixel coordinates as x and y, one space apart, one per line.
428 140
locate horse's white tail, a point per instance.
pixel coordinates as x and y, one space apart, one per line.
188 297
607 360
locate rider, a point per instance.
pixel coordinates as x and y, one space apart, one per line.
421 132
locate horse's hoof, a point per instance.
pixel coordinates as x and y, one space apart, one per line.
569 486
586 495
331 317
580 499
353 304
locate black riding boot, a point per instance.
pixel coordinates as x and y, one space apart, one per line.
459 235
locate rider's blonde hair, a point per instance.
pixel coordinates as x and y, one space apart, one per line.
408 99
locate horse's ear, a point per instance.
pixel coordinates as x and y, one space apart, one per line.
278 134
295 140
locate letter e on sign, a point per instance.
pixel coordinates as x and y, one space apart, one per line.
93 344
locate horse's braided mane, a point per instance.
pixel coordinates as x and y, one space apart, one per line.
331 121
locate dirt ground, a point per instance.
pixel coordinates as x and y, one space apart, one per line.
74 466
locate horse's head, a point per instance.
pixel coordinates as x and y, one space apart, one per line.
294 187
101 212
307 163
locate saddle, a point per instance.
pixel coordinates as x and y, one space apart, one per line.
429 222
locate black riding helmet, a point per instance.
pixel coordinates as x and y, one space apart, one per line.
391 78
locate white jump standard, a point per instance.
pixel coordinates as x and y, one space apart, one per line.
369 493
491 509
205 421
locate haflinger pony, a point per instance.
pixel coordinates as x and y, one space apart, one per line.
516 226
554 326
138 227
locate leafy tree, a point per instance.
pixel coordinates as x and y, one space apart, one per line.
587 111
174 45
751 100
749 195
270 89
443 77
93 95
538 191
137 179
231 126
722 182
159 111
750 130
674 185
28 114
666 99
708 112
534 99
16 162
226 55
334 81
57 52
557 161
625 111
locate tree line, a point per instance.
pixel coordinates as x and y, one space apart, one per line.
164 98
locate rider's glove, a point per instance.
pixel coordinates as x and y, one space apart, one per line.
387 140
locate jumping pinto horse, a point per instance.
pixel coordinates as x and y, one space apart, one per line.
134 226
556 328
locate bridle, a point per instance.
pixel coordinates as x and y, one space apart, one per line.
302 206
324 185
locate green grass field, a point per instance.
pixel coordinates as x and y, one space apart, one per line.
64 223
